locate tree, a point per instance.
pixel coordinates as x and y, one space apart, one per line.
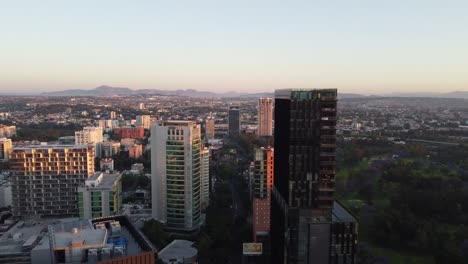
154 232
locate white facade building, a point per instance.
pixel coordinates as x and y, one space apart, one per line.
205 178
175 174
90 135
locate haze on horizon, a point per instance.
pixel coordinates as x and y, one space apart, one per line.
246 46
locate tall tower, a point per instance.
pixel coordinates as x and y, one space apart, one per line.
175 174
234 120
265 117
46 179
305 163
205 177
262 185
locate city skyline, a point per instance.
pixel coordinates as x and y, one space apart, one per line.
242 46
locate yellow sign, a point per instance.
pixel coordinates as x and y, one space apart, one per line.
250 249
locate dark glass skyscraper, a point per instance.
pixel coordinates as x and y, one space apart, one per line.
234 120
303 204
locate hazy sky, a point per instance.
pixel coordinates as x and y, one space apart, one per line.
363 46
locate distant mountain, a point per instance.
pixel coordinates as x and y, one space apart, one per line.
105 90
455 94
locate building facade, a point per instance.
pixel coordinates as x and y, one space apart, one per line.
175 174
5 148
7 131
143 121
205 177
46 179
305 165
90 135
265 117
209 129
135 151
109 149
261 187
107 164
234 120
101 195
129 132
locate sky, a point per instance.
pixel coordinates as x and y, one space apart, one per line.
359 46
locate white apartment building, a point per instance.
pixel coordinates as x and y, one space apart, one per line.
175 174
205 178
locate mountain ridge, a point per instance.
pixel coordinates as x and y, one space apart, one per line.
105 90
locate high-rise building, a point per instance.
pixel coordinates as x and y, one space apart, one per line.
90 135
234 120
303 207
262 185
143 121
175 174
205 177
100 195
265 117
5 148
209 128
46 178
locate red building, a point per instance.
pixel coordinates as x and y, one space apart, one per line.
129 132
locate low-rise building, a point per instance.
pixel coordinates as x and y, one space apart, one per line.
107 164
105 240
135 151
109 148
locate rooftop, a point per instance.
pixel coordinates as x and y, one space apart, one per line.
341 214
103 180
178 249
41 147
303 93
176 123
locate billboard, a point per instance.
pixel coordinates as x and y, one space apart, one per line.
252 249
